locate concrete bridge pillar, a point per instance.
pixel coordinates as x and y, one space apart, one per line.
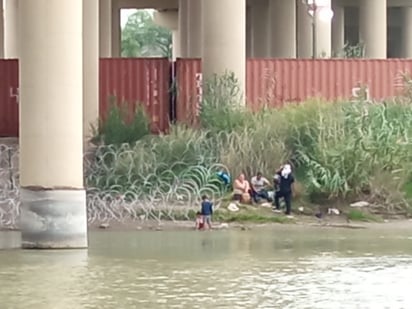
224 40
324 30
373 27
1 30
249 34
407 32
53 209
195 28
11 29
116 31
90 67
282 28
175 44
260 28
304 32
338 29
184 27
105 28
314 41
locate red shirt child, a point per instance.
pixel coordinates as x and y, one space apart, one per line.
199 221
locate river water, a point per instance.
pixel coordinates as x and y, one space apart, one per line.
287 267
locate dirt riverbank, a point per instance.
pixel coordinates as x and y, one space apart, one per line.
298 222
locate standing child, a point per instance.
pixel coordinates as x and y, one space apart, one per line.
207 211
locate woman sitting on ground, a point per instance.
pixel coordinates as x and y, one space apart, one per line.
241 189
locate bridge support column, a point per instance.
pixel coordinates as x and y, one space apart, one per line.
11 29
407 32
53 210
1 30
282 28
195 29
304 32
260 28
224 40
116 31
184 27
105 28
338 30
90 67
373 28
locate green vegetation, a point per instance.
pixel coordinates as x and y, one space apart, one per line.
341 151
246 214
141 37
250 217
123 126
358 215
354 51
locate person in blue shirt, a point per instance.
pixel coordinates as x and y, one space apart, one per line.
224 177
207 211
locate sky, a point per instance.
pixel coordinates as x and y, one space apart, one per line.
124 15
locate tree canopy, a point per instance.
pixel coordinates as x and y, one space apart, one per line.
142 37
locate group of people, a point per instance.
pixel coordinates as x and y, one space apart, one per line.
258 189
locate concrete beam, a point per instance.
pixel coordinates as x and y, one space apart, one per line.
167 19
148 4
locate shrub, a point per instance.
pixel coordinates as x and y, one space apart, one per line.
220 110
122 126
339 150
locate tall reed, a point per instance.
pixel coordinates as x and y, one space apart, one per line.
339 149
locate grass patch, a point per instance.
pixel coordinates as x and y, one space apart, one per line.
124 124
247 214
359 215
250 214
252 218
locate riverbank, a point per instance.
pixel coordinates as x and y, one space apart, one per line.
358 215
299 222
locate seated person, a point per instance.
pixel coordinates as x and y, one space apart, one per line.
259 186
241 189
224 177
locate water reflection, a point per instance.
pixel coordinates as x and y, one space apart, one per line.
42 279
294 268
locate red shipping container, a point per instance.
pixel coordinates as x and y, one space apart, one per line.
189 90
274 82
137 81
144 81
9 98
270 82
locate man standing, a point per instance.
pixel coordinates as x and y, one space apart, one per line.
259 186
284 179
